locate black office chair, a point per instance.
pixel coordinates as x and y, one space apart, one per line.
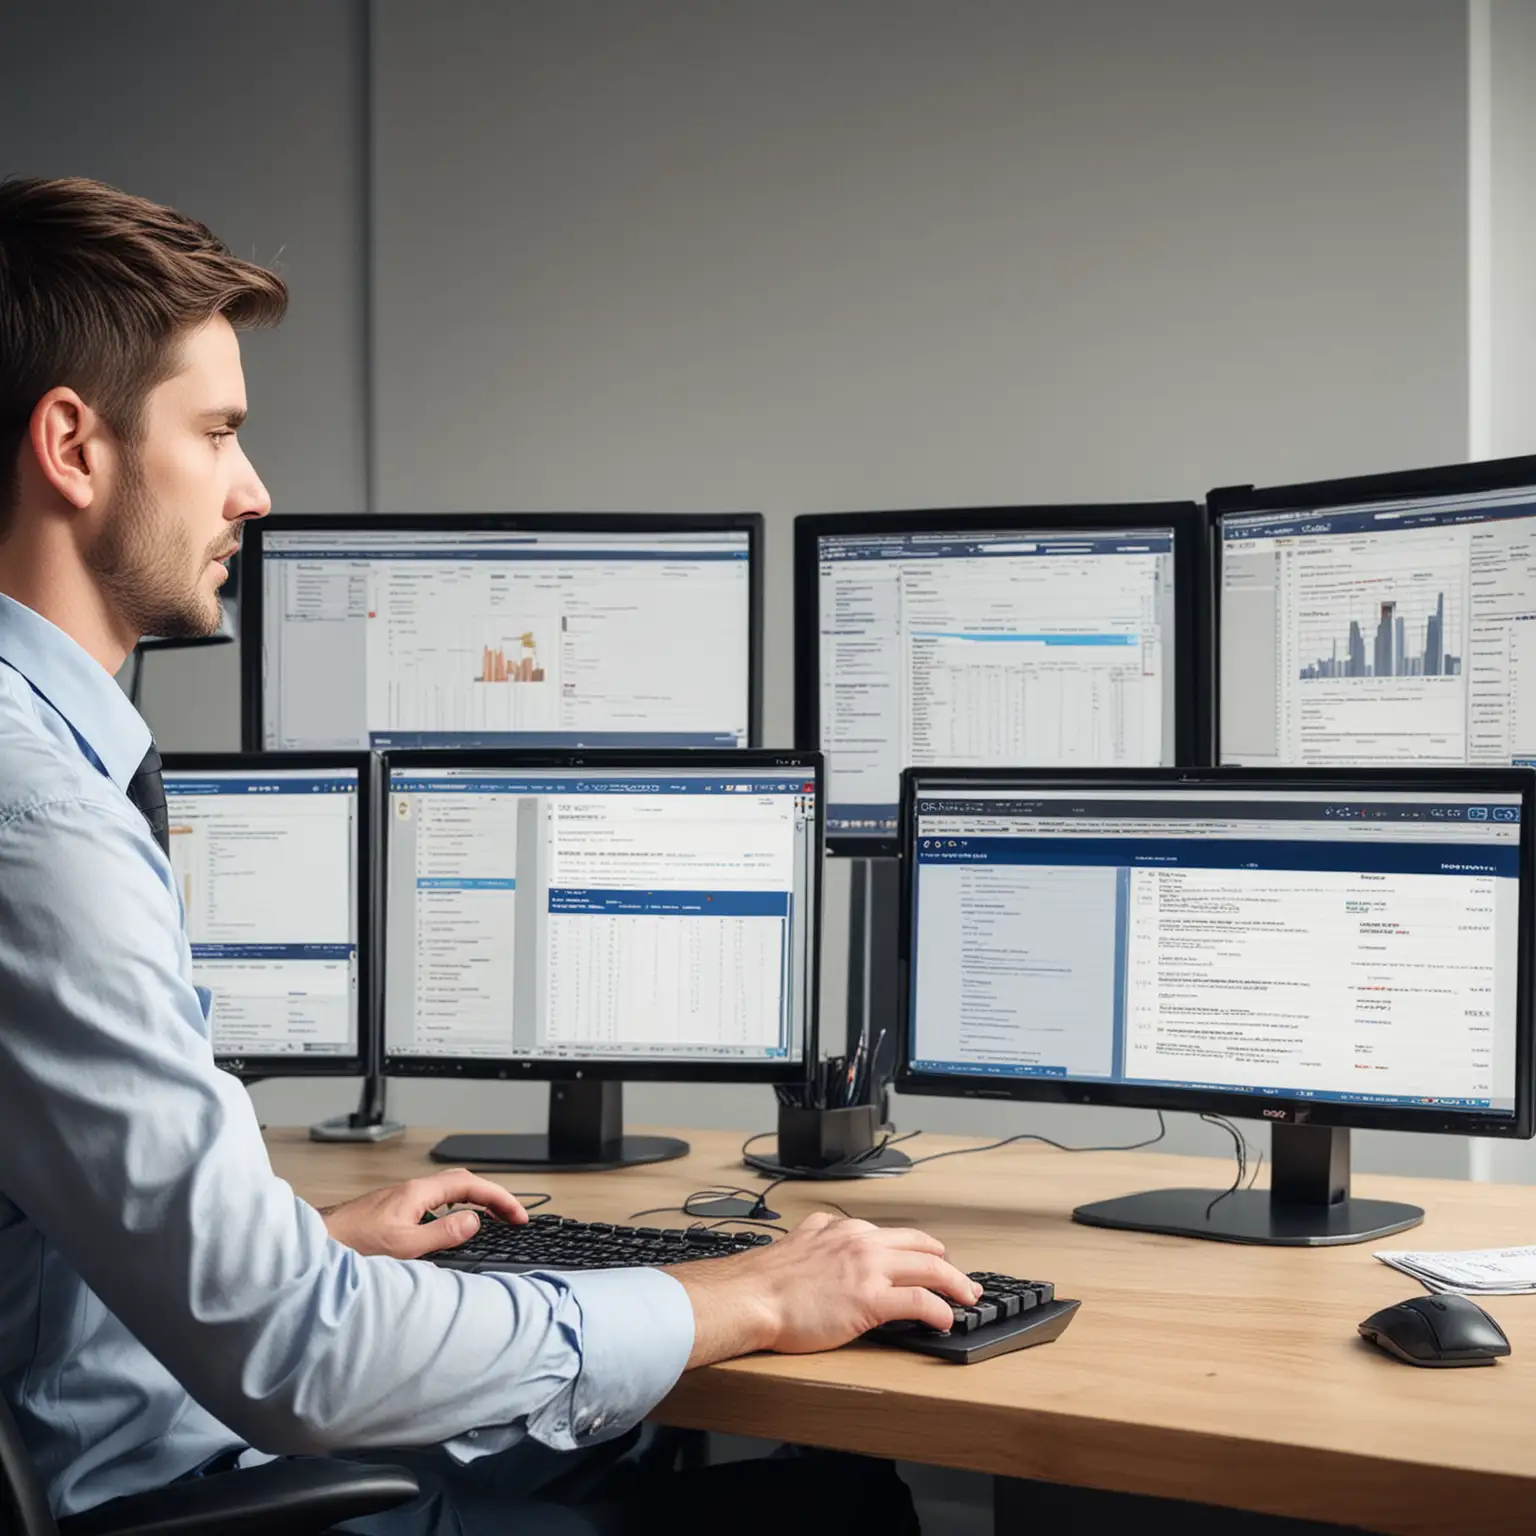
302 1496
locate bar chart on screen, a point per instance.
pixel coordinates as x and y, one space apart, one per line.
1406 628
1377 651
511 662
473 672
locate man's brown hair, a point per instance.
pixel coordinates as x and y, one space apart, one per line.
96 290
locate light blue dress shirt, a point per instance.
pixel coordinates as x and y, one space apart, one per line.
164 1296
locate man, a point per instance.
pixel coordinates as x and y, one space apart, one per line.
166 1301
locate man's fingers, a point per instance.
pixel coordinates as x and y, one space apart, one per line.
917 1303
909 1238
816 1221
933 1273
458 1186
434 1236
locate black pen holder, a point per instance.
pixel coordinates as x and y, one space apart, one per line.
819 1138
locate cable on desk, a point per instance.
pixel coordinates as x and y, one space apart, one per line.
1008 1141
728 1193
1240 1151
849 1168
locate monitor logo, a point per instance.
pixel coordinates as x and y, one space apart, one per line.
1276 1114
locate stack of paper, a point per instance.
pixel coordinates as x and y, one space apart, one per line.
1480 1272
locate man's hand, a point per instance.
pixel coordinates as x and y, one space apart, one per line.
826 1283
389 1221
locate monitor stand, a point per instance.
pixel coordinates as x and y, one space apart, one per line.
368 1122
586 1135
1308 1204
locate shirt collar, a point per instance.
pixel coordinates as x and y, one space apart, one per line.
66 676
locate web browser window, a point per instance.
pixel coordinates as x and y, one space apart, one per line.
1358 947
561 916
1388 633
452 638
266 867
990 649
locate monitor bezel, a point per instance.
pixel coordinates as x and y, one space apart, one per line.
253 583
359 1064
1238 1105
1328 495
1191 625
515 1069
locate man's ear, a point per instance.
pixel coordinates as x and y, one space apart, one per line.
69 441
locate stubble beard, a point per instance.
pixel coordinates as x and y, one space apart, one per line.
148 566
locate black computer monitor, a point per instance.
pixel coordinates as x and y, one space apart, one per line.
1321 950
274 857
1048 636
505 631
1385 619
592 918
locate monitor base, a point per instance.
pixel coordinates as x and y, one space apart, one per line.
586 1135
1249 1216
540 1154
872 1165
347 1128
368 1122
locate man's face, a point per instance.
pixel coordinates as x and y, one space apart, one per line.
181 495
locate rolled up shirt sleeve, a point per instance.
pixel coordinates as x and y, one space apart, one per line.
633 1331
143 1163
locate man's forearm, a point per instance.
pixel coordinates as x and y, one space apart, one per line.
730 1317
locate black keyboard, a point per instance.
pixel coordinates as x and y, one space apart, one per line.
1011 1314
560 1242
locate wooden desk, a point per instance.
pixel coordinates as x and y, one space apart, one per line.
1203 1371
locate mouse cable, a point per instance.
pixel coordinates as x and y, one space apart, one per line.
1008 1141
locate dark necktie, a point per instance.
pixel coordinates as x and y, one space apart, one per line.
147 791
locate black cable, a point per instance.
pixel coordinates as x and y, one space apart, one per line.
1008 1141
848 1167
1240 1151
687 1209
721 1192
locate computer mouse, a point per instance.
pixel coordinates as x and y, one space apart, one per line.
1436 1330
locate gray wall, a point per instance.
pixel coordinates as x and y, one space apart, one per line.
251 119
1512 232
807 255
